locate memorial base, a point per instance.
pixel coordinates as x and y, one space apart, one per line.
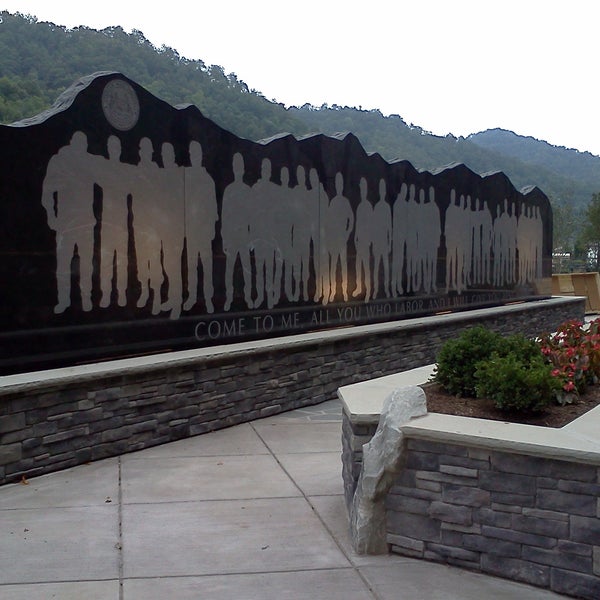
50 420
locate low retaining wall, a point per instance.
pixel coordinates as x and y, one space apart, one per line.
517 501
519 516
55 419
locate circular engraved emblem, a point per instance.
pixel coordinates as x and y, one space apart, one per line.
120 105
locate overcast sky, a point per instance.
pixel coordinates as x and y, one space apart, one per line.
460 66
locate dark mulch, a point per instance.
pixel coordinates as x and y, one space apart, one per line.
438 401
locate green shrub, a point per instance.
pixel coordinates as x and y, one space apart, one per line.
520 346
459 357
516 384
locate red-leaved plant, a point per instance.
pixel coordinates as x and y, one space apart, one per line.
574 351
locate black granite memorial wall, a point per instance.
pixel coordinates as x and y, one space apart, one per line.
129 226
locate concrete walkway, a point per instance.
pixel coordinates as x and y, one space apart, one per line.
251 512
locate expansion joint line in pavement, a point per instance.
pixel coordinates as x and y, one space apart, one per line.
316 513
120 542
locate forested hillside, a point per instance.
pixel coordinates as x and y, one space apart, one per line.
39 60
570 163
393 138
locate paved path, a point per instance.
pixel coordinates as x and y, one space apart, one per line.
250 512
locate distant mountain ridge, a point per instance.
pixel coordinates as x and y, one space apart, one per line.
394 139
534 151
39 60
567 162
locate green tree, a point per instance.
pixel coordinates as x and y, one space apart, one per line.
564 218
591 232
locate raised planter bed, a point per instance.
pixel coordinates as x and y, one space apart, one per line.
517 501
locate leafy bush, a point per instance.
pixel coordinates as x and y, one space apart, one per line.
516 381
520 346
511 371
459 357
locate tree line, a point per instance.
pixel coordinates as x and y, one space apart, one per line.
39 60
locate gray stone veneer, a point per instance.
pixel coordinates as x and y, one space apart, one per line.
526 518
56 419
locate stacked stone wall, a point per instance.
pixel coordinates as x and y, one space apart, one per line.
58 423
526 518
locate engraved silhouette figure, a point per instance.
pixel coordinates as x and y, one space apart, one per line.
172 227
266 236
236 218
429 239
315 197
364 233
382 241
114 178
413 260
529 239
147 213
339 222
511 229
304 216
399 235
482 243
67 197
458 237
201 216
537 249
282 220
505 242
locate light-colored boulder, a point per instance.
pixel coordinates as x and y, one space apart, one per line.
381 464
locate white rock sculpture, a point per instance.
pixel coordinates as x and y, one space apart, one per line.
381 464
